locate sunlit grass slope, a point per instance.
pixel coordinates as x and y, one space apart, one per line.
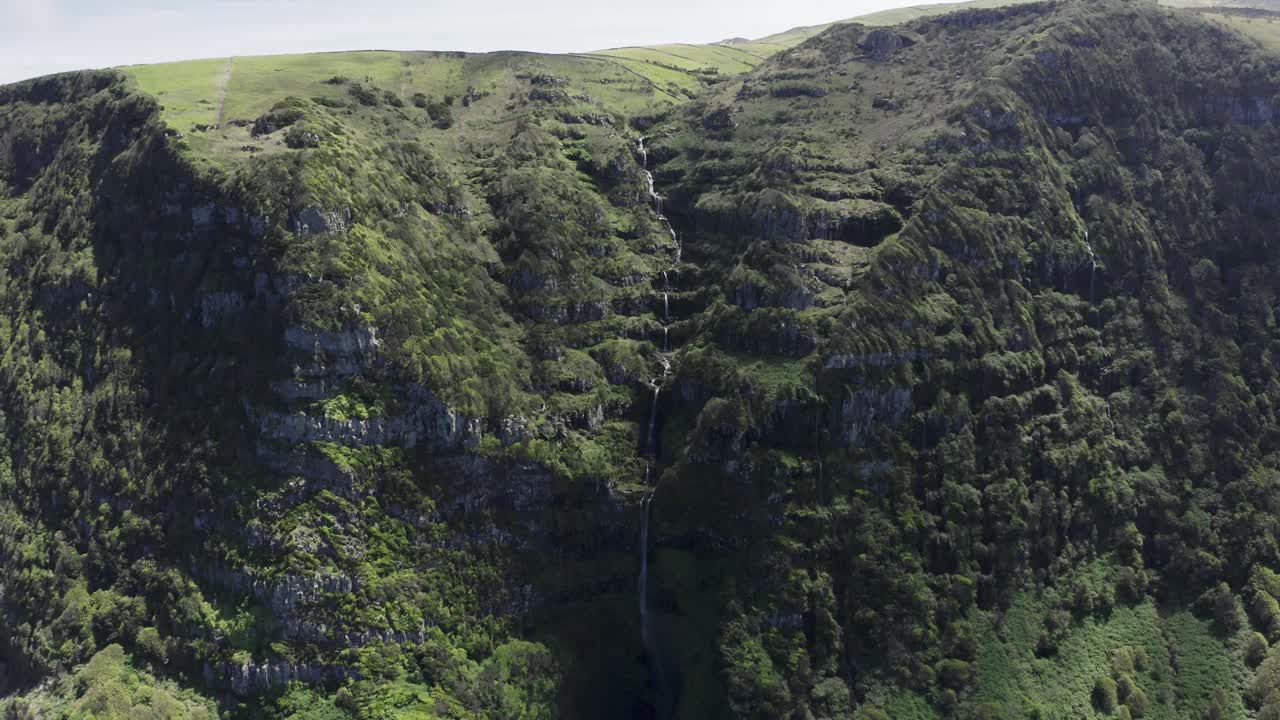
1261 25
630 79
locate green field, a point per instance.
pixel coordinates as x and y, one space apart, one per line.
629 79
1263 28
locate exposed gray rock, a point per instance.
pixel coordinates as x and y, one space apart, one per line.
357 341
202 216
721 119
750 296
308 390
216 306
876 360
319 472
860 409
474 483
318 221
252 677
426 421
881 44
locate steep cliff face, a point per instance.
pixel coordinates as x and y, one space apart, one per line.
1020 388
922 371
210 446
365 408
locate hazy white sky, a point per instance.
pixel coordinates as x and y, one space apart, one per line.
38 37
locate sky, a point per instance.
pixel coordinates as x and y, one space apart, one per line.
38 37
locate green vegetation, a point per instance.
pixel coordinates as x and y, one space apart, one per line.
109 687
1261 25
939 374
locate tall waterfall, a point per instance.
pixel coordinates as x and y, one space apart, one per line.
664 699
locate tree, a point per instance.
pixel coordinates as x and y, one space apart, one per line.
1255 649
1137 702
1104 695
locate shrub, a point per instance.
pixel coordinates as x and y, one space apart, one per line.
1255 649
1122 661
440 114
280 116
1131 585
1125 688
1137 702
953 673
365 95
988 711
151 644
346 701
300 137
830 697
1141 661
1221 602
1104 695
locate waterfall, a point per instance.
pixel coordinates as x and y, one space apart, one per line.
1093 265
653 414
644 568
657 200
664 701
644 165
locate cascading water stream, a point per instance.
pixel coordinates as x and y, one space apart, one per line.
644 565
662 695
664 700
653 418
657 200
665 319
1093 264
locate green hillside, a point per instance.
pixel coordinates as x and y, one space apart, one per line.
633 80
919 367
